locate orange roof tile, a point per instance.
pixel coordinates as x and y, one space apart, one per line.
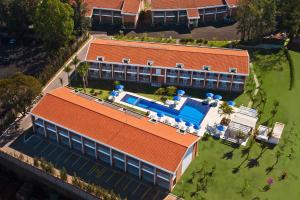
106 4
192 13
167 55
158 144
131 6
183 4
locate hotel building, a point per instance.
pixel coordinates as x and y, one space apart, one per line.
168 64
154 152
191 12
124 13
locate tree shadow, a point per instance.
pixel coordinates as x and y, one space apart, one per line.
254 162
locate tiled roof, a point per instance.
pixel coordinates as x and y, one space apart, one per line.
167 55
158 144
183 4
106 4
193 13
131 6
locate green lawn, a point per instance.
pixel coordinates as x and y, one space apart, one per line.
239 175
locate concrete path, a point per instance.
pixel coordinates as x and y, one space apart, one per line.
257 85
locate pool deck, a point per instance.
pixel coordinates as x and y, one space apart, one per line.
211 118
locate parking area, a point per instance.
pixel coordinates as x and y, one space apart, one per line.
88 169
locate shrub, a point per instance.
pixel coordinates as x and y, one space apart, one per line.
225 121
160 91
36 162
63 174
117 83
92 91
164 98
171 90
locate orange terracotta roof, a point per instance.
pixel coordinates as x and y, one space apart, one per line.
183 4
106 4
167 55
192 13
158 144
131 6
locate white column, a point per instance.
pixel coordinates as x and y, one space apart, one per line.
178 17
191 82
165 78
82 145
154 177
100 16
70 142
96 155
112 71
216 14
112 17
140 169
45 131
57 138
165 18
125 163
111 157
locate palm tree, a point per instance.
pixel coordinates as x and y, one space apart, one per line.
68 69
226 109
80 9
82 70
240 135
75 62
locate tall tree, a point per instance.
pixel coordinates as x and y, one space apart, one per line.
256 18
80 21
53 22
289 13
18 92
82 70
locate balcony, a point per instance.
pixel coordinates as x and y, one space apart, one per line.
145 72
239 79
39 123
119 76
94 66
225 78
145 80
106 75
172 74
132 70
51 128
131 78
185 75
106 68
120 69
212 77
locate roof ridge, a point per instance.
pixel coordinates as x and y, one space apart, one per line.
173 45
116 119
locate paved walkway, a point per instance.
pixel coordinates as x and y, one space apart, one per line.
257 85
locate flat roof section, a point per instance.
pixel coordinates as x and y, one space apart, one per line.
167 55
158 144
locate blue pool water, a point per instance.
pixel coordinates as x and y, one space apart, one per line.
191 111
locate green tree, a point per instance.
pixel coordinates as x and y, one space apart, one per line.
226 109
18 92
80 21
289 14
82 70
68 70
256 18
53 22
75 61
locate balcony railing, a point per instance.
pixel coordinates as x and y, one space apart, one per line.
119 69
212 77
172 74
106 68
144 71
133 70
185 76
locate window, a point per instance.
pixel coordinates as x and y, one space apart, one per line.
158 71
206 68
100 58
233 70
179 65
126 60
149 62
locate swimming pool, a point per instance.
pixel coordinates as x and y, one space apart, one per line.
191 111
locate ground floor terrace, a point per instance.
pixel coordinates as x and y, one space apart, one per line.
87 168
103 153
113 18
193 17
162 76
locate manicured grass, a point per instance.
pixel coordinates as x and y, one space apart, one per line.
239 175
